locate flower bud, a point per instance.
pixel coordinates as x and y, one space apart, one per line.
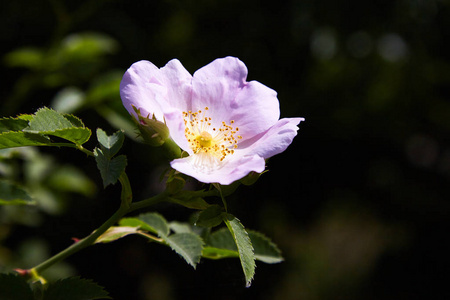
154 132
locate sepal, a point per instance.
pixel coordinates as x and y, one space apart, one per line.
154 132
251 178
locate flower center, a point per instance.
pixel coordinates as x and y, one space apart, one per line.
205 139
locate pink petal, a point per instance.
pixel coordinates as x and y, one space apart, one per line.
154 90
175 123
217 84
221 86
254 110
273 141
134 89
226 174
178 82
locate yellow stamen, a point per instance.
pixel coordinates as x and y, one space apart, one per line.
214 142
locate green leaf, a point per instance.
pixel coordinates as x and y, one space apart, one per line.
190 199
110 145
75 288
14 139
76 135
49 122
222 239
12 194
47 119
179 227
13 124
187 245
265 250
244 245
156 222
14 287
74 120
217 253
110 170
116 232
210 217
152 222
220 244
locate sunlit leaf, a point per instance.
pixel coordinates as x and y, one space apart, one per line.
244 246
115 233
13 124
75 135
74 120
46 119
49 122
14 139
152 222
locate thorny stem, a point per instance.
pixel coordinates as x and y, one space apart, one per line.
87 241
125 207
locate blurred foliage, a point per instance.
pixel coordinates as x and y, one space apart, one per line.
364 209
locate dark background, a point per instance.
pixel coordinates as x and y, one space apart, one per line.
359 203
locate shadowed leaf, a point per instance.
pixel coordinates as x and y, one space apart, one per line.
14 287
75 288
110 170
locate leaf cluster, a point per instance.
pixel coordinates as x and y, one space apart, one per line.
45 128
192 241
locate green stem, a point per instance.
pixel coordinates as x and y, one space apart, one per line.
69 145
127 195
125 207
87 241
149 202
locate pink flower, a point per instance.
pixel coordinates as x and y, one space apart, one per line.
227 125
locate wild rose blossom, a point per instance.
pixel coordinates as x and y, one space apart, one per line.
227 125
